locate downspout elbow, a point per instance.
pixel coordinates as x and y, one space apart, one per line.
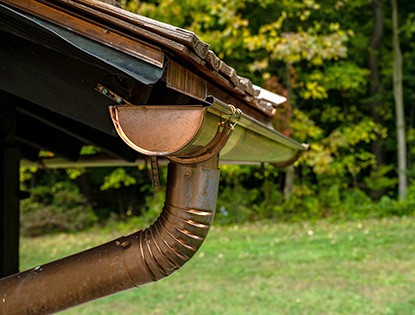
145 256
182 226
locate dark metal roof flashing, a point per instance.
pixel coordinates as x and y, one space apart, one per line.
40 31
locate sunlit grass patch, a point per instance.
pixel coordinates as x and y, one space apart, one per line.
363 267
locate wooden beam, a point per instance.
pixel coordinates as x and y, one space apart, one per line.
9 187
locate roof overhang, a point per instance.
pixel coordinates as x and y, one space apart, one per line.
62 54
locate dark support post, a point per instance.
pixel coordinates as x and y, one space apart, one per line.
9 187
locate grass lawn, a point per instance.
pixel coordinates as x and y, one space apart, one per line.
361 267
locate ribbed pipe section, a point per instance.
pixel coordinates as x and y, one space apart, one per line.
173 240
145 256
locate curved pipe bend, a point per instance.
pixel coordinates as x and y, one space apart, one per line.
182 226
145 256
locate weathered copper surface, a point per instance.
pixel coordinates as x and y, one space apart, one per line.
145 38
157 130
130 261
93 31
168 31
190 134
181 79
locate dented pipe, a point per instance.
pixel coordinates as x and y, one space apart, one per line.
145 256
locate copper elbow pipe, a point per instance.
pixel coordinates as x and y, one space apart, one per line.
145 256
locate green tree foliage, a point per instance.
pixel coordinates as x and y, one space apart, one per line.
55 208
308 37
322 48
316 52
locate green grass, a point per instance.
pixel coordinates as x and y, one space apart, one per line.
365 267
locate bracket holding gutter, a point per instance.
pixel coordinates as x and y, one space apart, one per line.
111 95
225 128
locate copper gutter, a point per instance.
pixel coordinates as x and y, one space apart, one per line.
197 132
145 256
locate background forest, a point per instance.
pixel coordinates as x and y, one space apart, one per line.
340 63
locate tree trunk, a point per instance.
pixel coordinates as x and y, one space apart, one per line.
86 187
289 171
289 181
399 108
374 82
411 125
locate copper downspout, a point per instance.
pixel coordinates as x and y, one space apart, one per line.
145 256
